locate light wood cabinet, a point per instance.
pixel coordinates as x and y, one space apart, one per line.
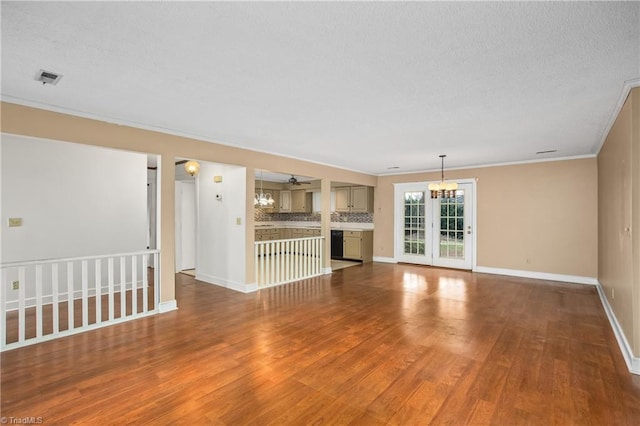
285 202
343 199
301 201
276 198
354 199
285 233
358 245
267 234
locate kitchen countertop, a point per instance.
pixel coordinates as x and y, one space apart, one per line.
349 226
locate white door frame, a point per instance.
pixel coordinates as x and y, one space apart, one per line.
398 227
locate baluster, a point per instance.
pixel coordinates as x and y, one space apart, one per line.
54 297
98 287
256 265
276 255
111 280
296 259
156 280
123 287
134 285
3 309
85 293
145 284
70 297
39 323
263 266
21 303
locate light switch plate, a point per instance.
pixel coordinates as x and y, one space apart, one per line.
15 221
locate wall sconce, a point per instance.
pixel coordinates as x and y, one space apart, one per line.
192 167
217 179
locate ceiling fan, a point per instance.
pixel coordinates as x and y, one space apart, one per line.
294 181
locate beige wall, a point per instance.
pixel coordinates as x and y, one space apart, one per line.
539 217
34 122
618 211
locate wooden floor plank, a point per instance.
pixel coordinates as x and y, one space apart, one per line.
370 344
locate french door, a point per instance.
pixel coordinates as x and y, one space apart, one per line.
434 231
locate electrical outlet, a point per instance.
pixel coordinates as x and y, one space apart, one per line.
15 285
613 293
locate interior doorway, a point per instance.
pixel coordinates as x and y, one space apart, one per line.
436 231
186 220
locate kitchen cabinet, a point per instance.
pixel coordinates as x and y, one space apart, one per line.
358 245
301 201
285 233
285 202
267 234
354 199
343 199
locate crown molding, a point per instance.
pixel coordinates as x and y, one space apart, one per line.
626 88
106 119
481 166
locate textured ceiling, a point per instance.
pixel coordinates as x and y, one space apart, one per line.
359 85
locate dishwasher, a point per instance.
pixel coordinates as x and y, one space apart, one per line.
336 244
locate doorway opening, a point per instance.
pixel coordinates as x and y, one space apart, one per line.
436 231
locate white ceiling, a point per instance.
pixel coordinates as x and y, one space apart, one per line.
360 85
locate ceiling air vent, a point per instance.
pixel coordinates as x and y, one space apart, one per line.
48 77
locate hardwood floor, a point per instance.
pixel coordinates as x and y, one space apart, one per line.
371 344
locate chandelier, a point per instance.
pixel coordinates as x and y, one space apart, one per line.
262 199
443 189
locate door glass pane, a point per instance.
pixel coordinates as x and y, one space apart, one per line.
414 229
452 226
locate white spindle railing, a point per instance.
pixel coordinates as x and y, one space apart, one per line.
80 287
282 261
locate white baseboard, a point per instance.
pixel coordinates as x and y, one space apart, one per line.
633 362
222 282
383 259
325 271
575 279
168 306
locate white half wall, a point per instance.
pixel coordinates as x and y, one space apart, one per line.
221 225
73 199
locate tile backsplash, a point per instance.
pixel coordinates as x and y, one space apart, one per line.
261 215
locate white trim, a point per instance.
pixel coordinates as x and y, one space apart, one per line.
158 129
221 282
628 85
482 166
633 363
398 222
575 279
76 330
168 306
383 259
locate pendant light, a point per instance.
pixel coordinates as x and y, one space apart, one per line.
261 199
443 189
